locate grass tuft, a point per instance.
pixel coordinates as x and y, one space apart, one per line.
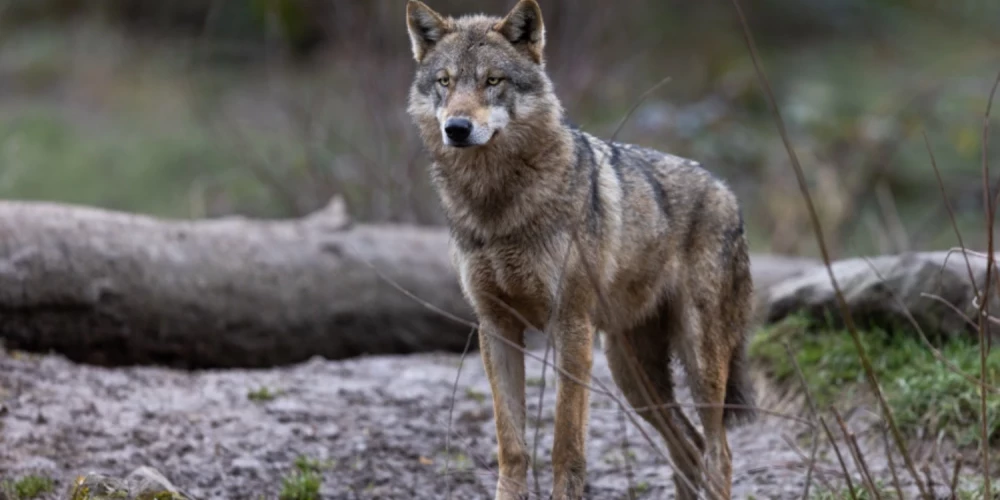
262 394
304 481
26 488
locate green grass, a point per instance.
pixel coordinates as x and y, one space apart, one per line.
262 394
925 396
304 481
27 487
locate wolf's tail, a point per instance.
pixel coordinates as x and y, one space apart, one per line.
740 399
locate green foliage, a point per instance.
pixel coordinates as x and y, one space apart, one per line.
302 483
27 487
261 394
925 396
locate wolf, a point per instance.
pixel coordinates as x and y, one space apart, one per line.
555 228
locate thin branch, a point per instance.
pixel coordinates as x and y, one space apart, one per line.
451 408
954 475
951 212
852 446
635 106
930 480
629 473
892 465
809 461
538 418
954 309
815 414
984 309
840 459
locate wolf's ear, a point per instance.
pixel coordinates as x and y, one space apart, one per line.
426 27
524 29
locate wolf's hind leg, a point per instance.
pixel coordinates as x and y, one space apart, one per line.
644 351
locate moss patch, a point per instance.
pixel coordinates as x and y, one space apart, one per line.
925 395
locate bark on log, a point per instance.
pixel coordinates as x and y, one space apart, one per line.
111 288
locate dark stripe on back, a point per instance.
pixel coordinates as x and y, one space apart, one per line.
580 147
697 214
616 155
658 191
594 216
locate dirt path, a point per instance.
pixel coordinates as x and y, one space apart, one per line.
381 422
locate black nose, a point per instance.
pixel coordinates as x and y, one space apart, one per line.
458 129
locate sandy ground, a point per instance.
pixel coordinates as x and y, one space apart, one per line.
379 423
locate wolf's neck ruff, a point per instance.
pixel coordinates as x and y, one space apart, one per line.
483 187
485 192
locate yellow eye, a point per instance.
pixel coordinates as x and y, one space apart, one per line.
493 81
444 81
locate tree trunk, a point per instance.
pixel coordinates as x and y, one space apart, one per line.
111 288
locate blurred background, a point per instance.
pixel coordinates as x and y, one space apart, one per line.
201 108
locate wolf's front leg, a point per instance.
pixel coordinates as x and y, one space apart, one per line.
504 365
573 339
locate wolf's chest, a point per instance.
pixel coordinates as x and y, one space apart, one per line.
508 271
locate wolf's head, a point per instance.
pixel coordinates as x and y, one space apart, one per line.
480 80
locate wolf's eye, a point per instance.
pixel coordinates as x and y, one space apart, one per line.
444 81
493 81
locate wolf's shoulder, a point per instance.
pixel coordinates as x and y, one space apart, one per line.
625 155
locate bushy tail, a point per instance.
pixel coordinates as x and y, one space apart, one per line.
739 391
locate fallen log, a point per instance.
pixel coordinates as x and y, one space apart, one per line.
111 288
